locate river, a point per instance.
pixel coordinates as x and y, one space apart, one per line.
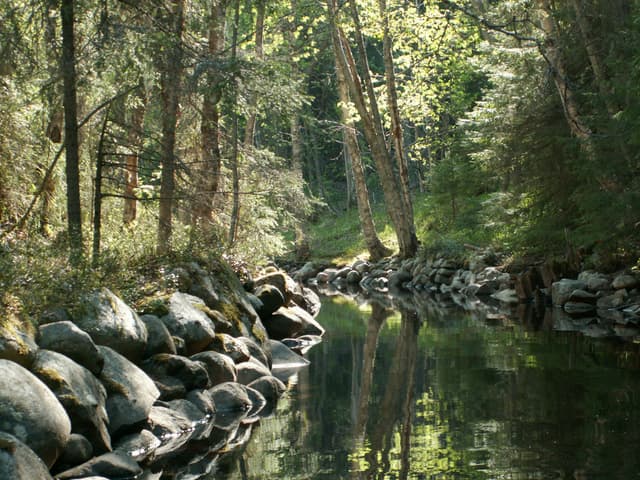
444 394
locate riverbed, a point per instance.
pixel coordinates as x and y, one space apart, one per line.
444 394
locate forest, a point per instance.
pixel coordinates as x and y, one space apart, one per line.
139 130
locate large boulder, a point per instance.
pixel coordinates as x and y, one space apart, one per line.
187 321
270 387
625 281
109 465
131 393
309 300
32 413
159 338
165 368
284 357
283 323
19 462
16 344
219 367
112 323
80 393
281 281
230 346
66 338
595 281
230 397
271 298
251 370
561 290
263 355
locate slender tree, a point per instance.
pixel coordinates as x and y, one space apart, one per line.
170 76
74 214
375 247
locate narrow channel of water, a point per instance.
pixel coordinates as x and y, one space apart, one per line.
389 395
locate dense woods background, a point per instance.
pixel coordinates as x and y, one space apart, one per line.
132 129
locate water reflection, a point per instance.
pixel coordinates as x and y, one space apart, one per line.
433 393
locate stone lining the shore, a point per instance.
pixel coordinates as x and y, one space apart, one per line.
108 393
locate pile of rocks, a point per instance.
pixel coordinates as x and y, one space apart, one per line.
483 277
108 393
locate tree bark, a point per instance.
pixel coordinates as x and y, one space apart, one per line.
394 111
170 84
134 139
235 158
401 218
554 57
375 247
74 214
250 129
208 175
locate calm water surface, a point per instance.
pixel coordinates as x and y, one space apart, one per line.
402 395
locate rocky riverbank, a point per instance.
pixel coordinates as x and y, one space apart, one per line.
549 292
107 392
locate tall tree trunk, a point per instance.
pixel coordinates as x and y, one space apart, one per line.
235 174
170 83
374 246
394 110
553 55
401 218
208 176
253 102
72 156
134 139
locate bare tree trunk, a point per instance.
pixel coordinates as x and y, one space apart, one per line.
170 84
394 110
208 175
235 212
134 139
557 63
400 217
74 213
251 121
375 247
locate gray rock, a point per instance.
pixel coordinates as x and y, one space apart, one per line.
170 427
219 367
397 279
17 345
258 402
230 346
301 344
323 277
110 322
561 290
78 450
138 446
250 371
354 277
109 465
271 297
595 281
202 400
583 296
308 300
270 387
616 300
230 397
284 357
188 372
263 355
624 281
308 270
578 308
492 274
131 393
281 281
361 266
32 413
283 323
19 462
80 393
186 321
159 338
67 338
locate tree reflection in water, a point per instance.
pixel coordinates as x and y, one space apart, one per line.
391 394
